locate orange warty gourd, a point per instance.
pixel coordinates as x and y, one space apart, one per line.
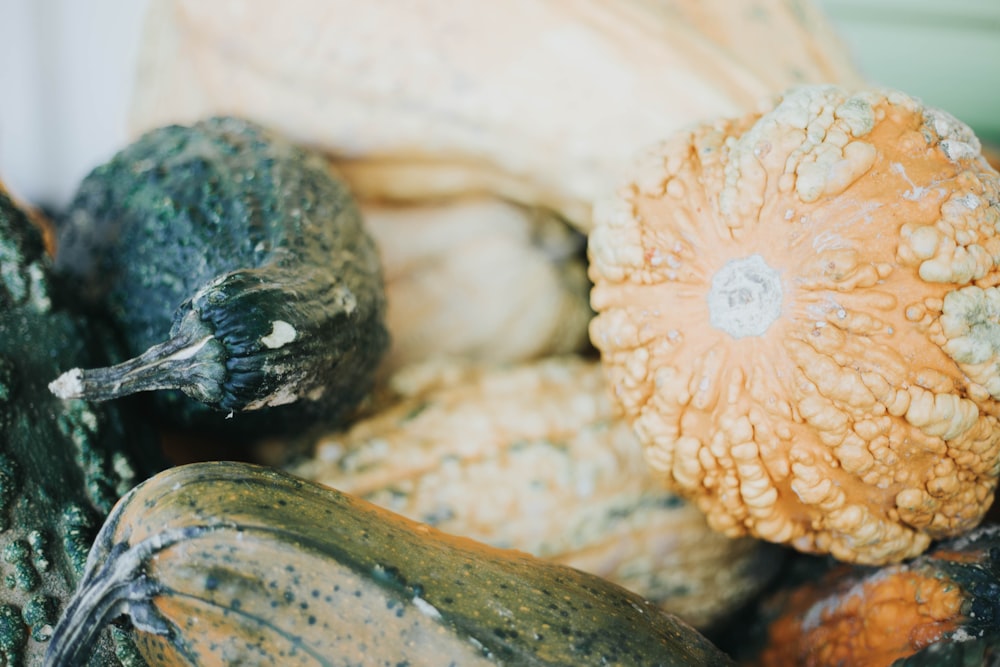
798 311
936 610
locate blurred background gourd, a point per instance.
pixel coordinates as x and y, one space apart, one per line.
71 66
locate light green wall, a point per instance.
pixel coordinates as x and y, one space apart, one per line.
947 52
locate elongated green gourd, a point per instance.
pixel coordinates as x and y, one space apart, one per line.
239 271
230 563
63 464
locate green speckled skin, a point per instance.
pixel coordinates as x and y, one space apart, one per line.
63 464
233 228
253 566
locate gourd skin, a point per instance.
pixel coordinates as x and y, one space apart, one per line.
250 254
535 457
797 312
940 609
229 563
544 102
479 278
63 464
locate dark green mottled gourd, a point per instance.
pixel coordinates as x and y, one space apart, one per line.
247 257
234 564
63 463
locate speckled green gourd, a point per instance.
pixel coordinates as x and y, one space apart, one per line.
240 273
63 463
229 563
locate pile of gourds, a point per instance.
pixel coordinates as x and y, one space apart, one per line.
556 332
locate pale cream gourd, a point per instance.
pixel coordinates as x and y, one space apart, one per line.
541 101
799 312
535 457
479 278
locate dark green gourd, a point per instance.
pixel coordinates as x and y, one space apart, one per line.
239 270
63 463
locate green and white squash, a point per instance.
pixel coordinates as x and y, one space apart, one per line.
535 457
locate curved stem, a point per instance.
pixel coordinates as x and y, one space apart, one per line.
118 586
192 360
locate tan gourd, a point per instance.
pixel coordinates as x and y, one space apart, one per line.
534 457
479 278
798 310
541 101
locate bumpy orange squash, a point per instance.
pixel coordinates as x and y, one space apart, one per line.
798 310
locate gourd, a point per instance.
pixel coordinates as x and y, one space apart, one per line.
940 609
544 102
230 563
535 457
239 272
797 310
63 464
479 278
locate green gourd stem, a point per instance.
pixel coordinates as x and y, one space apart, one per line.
117 586
178 363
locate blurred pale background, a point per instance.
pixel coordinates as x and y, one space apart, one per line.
66 73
